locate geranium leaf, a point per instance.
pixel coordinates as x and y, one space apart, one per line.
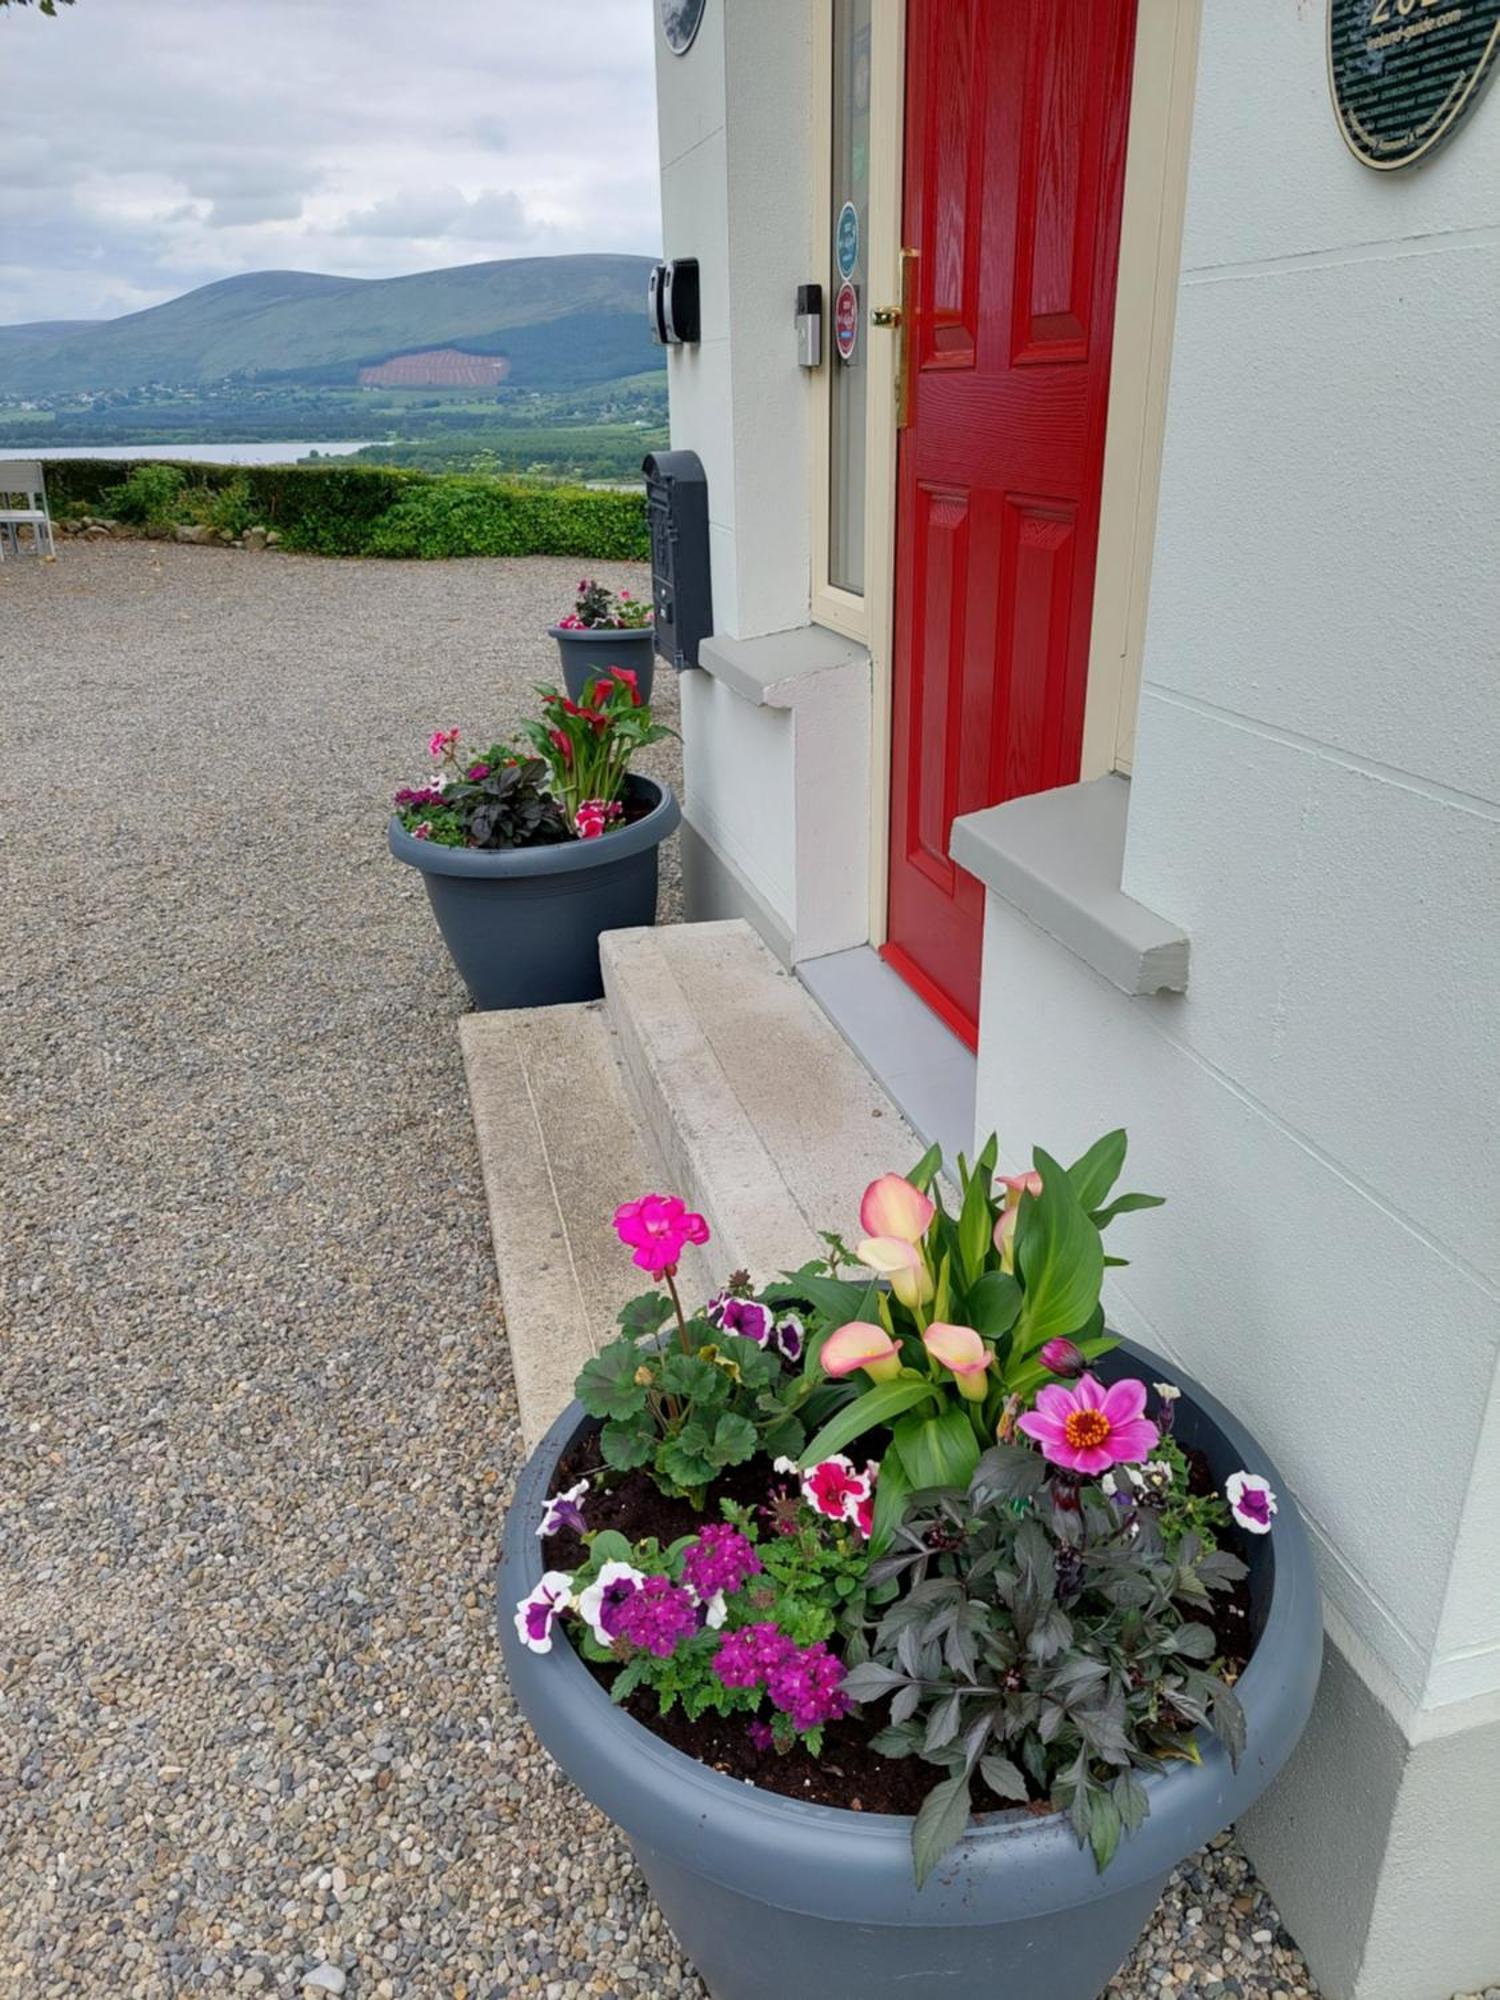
625 1446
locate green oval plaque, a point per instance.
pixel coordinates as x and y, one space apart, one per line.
1406 73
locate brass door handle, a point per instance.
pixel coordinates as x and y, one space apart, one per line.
885 316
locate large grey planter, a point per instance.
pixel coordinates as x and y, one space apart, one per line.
776 1900
523 924
588 654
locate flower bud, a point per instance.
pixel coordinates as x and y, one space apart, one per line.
1061 1357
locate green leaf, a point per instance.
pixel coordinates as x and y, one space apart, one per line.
876 1406
937 1451
689 1375
1004 1779
1126 1204
891 1491
940 1824
645 1314
1060 1258
625 1446
1192 1642
1096 1173
1104 1828
609 1545
838 1299
734 1439
975 1228
926 1169
992 1304
606 1384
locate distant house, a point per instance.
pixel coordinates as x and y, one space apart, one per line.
1104 680
437 368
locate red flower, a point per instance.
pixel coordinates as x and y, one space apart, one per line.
564 747
631 679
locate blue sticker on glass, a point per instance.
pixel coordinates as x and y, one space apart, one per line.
846 239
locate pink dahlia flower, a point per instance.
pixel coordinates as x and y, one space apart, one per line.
1090 1428
657 1228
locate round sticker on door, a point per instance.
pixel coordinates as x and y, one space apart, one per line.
846 239
846 321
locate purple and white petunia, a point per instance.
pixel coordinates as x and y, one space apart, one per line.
789 1337
600 1605
564 1510
1251 1501
540 1609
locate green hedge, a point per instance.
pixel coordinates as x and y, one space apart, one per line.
379 510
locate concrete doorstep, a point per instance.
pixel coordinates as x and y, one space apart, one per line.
709 1073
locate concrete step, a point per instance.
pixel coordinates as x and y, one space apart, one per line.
763 1115
561 1148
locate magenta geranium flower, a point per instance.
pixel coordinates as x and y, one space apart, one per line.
1090 1428
658 1228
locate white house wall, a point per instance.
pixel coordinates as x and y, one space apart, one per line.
1316 801
736 125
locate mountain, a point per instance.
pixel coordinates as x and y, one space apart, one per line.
556 321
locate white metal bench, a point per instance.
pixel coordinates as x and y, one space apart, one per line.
23 504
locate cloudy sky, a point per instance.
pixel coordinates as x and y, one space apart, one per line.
147 146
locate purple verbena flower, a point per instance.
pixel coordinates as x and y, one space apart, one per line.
657 1617
762 1736
722 1559
744 1658
806 1686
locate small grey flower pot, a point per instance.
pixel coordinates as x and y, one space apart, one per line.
523 924
588 654
773 1899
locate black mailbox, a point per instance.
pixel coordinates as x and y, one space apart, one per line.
681 591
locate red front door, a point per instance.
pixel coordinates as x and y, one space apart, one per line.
1016 116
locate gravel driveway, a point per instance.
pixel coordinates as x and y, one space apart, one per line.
256 1420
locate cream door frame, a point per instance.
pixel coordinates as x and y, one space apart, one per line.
1155 198
867 618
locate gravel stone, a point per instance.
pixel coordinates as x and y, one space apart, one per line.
257 1425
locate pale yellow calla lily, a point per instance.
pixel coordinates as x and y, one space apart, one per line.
902 1263
962 1350
861 1345
893 1207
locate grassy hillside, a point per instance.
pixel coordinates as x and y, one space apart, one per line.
560 321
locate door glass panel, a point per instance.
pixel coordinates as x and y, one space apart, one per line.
848 261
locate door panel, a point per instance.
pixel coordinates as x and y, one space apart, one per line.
1015 150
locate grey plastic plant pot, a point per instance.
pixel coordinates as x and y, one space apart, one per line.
773 1899
523 924
588 654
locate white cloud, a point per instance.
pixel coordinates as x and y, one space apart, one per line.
366 137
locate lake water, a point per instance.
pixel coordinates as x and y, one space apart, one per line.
270 452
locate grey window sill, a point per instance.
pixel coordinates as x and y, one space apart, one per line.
770 672
1057 857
